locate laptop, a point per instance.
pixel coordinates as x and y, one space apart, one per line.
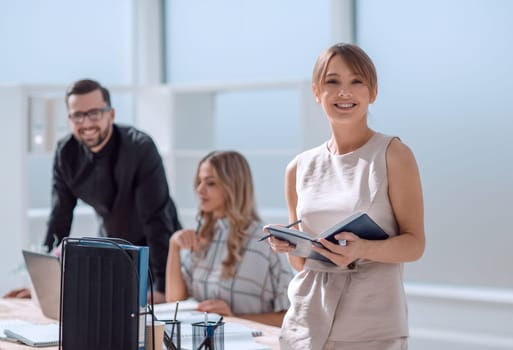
45 274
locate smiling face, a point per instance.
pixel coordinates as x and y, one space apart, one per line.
210 192
344 82
94 134
343 94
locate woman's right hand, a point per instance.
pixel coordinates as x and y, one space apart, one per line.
279 245
184 239
282 246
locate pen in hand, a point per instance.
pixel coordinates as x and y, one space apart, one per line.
288 226
293 224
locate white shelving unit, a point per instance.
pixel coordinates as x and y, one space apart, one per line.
268 122
203 118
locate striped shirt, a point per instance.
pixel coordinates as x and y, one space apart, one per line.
261 277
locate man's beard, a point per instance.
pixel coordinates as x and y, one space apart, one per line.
98 141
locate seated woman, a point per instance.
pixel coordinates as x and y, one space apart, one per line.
222 264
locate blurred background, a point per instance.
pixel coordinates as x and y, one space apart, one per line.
201 75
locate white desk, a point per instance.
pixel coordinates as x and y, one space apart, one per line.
25 309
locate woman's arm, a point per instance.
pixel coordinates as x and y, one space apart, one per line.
176 288
291 197
405 192
281 246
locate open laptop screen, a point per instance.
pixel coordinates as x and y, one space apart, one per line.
45 274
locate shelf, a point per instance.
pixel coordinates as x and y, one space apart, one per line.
192 153
269 122
268 216
45 212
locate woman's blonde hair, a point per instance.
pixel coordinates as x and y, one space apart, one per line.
234 176
357 60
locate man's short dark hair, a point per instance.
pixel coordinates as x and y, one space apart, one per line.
86 86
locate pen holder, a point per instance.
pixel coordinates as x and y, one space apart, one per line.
208 335
173 336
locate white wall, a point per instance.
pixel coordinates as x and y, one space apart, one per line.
445 77
12 186
232 41
445 87
59 41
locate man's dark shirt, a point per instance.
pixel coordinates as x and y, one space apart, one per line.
126 185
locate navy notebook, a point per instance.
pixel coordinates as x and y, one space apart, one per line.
360 224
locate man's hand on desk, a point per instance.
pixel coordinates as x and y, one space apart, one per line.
158 297
20 293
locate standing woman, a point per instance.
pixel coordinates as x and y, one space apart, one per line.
362 306
222 263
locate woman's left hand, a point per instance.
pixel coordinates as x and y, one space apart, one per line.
342 255
216 306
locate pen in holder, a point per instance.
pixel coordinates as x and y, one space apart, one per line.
172 337
208 335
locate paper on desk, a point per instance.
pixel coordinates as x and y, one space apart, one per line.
166 311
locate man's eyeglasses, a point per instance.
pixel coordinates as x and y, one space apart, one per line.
94 115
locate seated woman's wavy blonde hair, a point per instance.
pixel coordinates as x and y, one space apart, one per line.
234 176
